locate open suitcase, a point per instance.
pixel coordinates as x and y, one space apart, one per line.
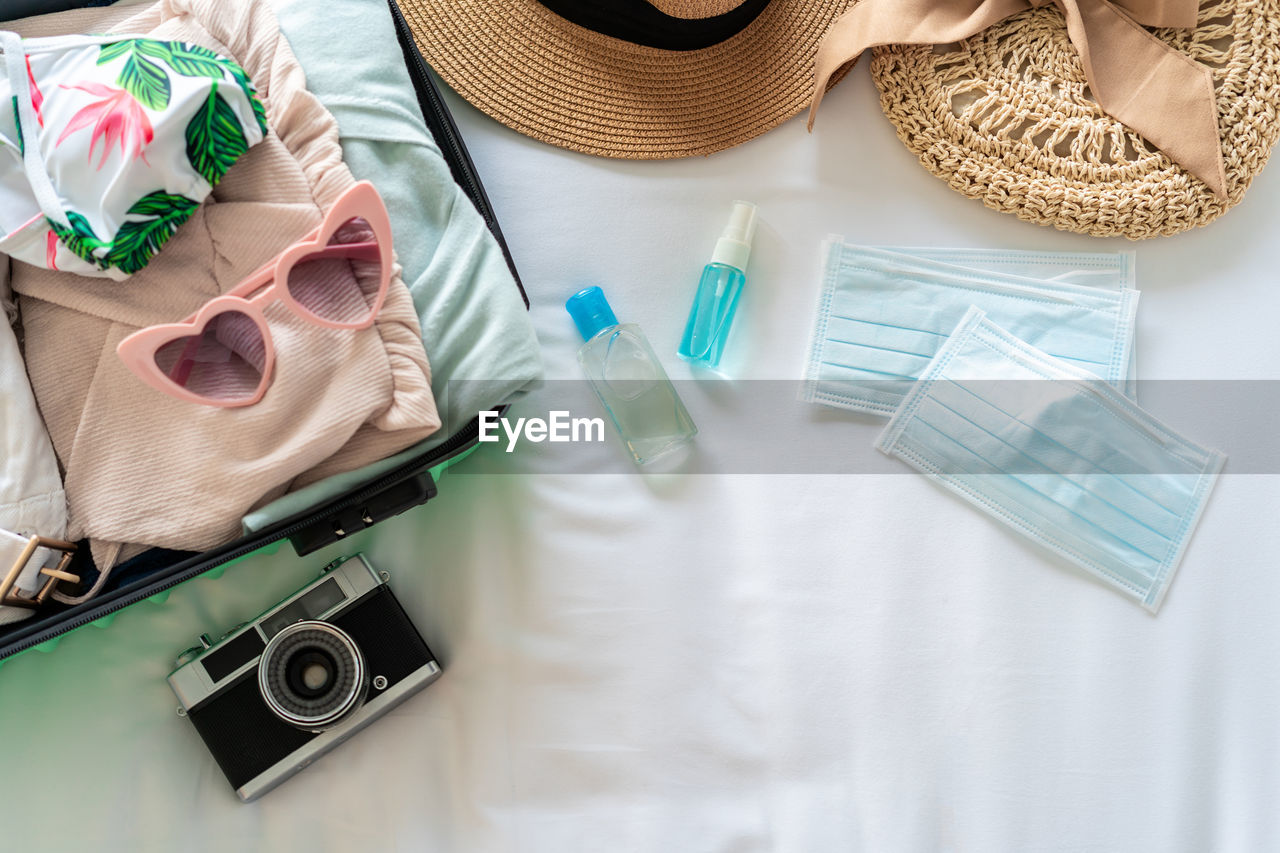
408 485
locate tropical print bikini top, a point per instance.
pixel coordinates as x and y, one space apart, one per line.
109 143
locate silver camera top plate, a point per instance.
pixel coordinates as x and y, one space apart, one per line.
200 676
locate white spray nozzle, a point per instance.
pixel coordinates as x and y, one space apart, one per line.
742 222
734 246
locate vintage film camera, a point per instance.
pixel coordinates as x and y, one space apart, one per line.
278 692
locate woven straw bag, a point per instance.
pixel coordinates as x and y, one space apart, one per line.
1006 117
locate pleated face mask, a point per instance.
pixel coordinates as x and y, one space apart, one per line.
1057 455
1107 270
883 314
109 143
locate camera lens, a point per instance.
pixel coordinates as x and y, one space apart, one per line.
312 675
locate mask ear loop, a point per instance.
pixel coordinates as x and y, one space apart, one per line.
41 186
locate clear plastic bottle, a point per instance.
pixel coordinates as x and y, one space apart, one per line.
629 380
714 304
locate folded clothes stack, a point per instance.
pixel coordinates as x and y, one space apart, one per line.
261 350
1013 386
339 398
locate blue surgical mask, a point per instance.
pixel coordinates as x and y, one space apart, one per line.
883 314
1108 270
1056 454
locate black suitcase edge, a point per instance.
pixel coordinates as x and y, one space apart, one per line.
392 493
445 130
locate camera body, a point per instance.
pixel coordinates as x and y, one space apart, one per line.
278 692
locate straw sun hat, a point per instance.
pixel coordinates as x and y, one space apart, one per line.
1004 113
640 79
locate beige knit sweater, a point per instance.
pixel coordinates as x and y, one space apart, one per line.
146 469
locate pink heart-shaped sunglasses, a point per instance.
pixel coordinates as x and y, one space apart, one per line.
336 276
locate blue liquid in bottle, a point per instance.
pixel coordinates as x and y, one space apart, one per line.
716 301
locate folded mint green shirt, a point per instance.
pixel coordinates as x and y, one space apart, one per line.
474 323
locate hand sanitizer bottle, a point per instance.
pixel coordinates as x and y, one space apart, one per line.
629 380
718 291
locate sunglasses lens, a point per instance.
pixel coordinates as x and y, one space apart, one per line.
340 282
225 362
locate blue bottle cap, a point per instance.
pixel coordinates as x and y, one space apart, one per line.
590 312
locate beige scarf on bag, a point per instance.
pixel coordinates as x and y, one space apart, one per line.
146 469
1136 78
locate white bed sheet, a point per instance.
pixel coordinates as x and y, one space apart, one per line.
727 661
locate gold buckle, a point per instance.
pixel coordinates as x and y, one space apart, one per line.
13 598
